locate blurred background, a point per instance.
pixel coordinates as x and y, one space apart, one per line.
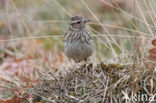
116 25
34 30
32 33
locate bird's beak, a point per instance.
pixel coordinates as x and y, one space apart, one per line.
87 20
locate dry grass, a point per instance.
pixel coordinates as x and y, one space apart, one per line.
33 31
104 84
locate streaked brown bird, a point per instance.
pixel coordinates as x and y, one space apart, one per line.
78 42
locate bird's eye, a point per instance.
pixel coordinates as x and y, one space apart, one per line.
78 22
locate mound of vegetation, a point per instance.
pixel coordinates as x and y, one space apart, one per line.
103 83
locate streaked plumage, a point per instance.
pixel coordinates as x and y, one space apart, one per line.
78 43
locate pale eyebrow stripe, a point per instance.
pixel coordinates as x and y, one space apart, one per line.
75 21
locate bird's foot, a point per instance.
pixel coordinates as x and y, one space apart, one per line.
88 68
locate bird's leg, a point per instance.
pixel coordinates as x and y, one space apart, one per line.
75 67
86 66
76 64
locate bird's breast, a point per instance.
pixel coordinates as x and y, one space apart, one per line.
79 49
79 45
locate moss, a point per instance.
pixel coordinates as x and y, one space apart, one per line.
76 85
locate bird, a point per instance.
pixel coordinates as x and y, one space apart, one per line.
78 42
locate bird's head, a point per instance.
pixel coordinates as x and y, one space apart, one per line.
78 22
